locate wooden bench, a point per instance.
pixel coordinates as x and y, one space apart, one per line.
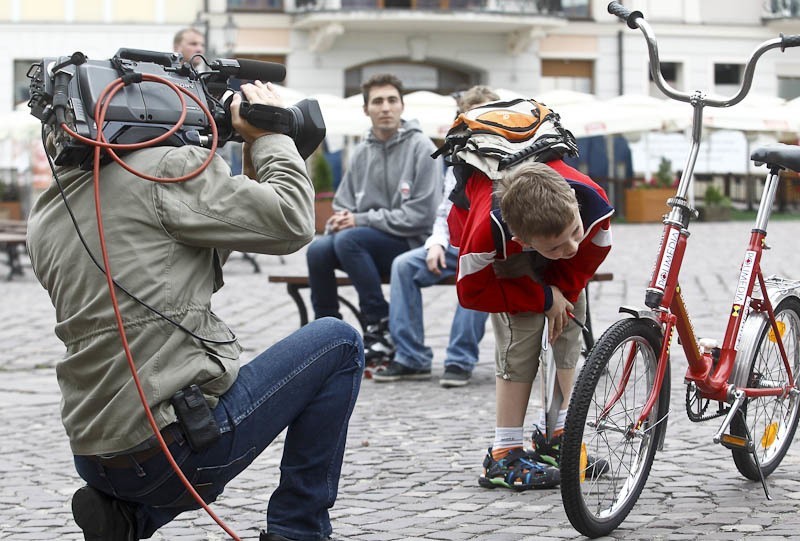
12 238
297 282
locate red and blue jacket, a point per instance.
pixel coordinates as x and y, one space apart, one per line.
483 238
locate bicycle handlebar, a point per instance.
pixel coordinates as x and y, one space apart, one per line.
635 19
789 41
630 17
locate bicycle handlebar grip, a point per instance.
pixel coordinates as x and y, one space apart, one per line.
789 41
630 17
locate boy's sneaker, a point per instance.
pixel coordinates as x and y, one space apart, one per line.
395 371
549 452
103 518
517 471
454 376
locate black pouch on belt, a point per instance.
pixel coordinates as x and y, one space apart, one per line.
195 417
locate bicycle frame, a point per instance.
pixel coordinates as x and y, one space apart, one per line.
709 372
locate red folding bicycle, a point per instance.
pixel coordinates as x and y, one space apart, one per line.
620 403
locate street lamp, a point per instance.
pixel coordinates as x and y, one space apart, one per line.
229 35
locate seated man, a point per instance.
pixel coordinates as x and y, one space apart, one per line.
423 267
385 204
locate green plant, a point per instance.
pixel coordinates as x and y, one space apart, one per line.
664 177
714 197
321 175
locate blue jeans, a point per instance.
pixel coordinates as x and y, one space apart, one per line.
365 254
307 382
409 274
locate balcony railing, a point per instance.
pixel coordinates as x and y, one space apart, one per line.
781 9
574 8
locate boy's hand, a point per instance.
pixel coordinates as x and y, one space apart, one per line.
557 315
435 259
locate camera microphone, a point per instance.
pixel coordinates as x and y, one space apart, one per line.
250 69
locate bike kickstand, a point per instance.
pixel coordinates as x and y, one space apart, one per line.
758 462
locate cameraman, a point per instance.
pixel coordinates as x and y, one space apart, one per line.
167 243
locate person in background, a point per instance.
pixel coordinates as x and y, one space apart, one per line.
385 205
189 42
423 267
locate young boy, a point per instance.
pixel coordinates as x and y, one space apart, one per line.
529 244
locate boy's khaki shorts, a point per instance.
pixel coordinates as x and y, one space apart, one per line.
518 342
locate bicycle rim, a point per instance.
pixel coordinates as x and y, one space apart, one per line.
771 421
604 463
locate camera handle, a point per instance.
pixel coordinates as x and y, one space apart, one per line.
267 117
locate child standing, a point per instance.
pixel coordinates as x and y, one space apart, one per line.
529 244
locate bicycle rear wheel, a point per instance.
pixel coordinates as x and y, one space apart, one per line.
771 421
604 462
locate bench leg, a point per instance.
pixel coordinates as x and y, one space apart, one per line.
356 312
294 293
252 260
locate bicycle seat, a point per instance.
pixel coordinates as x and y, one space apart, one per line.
778 155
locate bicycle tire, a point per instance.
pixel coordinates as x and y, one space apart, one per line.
596 503
771 421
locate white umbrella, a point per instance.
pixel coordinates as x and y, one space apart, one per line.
756 113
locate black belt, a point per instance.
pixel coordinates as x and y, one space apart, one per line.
142 452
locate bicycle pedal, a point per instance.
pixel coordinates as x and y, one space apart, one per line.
736 442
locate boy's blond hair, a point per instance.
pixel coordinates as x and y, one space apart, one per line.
477 95
535 201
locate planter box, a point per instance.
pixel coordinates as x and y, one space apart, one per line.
323 209
647 204
715 213
10 210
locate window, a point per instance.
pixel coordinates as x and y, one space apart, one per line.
727 78
255 5
789 87
575 75
672 73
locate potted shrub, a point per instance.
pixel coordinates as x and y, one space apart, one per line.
322 177
10 202
716 207
647 201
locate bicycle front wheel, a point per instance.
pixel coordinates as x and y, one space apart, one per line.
605 459
770 420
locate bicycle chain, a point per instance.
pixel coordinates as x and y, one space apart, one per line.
699 417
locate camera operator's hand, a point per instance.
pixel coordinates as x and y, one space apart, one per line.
256 92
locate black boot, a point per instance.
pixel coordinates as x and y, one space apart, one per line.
275 537
103 518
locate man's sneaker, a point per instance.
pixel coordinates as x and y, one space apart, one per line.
396 371
454 376
517 471
378 348
103 518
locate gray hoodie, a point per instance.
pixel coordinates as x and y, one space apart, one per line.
394 186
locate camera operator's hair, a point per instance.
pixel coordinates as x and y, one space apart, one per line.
180 33
476 95
381 79
535 201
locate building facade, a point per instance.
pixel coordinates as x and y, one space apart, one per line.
330 46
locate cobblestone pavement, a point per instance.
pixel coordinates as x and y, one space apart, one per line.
415 449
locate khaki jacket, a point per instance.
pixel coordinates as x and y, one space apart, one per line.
166 245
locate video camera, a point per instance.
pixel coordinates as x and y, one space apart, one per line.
66 89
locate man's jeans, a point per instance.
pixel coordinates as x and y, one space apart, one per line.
365 254
307 382
409 274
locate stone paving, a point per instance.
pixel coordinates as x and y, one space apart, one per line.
415 449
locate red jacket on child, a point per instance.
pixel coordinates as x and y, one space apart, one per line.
483 238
